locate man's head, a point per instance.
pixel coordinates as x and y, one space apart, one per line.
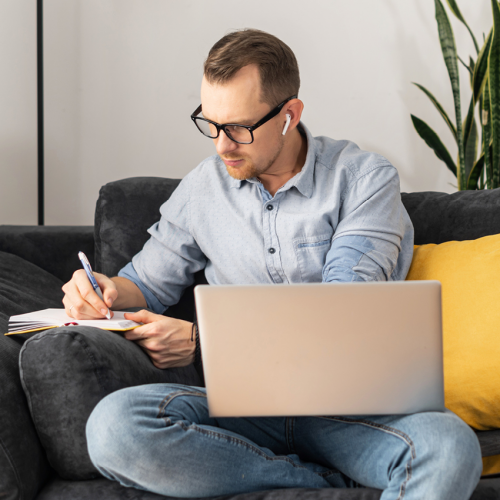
248 73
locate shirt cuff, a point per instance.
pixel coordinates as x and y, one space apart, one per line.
153 303
339 274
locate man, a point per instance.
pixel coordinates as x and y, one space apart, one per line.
275 205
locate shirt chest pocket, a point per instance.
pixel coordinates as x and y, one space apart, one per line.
311 254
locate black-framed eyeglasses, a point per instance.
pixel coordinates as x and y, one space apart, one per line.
242 134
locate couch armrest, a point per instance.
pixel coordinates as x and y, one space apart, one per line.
52 248
24 468
62 389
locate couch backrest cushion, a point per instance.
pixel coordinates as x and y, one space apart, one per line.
124 212
464 215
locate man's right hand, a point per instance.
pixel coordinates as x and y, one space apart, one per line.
80 300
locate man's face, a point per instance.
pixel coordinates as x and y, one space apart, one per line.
238 101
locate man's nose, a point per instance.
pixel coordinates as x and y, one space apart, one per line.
225 145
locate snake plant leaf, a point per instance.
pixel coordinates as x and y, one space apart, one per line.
454 8
472 64
475 173
469 67
481 68
466 66
471 150
442 112
486 124
467 128
494 88
434 142
449 50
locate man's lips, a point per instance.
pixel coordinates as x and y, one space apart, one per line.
232 163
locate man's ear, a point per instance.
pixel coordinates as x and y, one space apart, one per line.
293 108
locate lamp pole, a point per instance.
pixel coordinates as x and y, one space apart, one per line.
39 60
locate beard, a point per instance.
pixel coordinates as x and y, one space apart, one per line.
249 169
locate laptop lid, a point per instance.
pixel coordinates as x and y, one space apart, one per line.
322 348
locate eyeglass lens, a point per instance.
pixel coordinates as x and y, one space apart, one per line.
237 133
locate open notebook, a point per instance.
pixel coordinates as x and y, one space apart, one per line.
52 318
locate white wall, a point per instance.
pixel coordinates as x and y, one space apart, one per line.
18 119
123 76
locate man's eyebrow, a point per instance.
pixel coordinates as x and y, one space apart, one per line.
238 122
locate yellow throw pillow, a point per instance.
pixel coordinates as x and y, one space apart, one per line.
469 272
491 465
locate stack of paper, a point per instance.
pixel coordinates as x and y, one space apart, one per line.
52 318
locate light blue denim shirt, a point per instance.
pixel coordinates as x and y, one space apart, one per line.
340 219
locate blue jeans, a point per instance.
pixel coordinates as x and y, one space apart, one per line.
161 438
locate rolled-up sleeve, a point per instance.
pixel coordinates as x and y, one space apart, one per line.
152 301
373 222
168 261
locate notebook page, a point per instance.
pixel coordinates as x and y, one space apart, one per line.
59 317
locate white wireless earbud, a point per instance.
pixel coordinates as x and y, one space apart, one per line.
288 118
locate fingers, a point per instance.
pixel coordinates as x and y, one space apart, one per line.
154 325
144 316
81 301
148 330
175 354
76 308
177 358
167 341
108 288
68 307
135 333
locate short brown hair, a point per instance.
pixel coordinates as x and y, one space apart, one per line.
279 71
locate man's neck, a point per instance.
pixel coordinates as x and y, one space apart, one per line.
292 161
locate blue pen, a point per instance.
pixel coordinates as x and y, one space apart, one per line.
90 275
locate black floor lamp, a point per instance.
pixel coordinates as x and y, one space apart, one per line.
39 63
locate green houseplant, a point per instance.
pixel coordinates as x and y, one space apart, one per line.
478 159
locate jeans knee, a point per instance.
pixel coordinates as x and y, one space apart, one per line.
124 419
455 446
469 450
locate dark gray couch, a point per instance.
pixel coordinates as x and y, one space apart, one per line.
52 380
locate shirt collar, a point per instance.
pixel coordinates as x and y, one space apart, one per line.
303 181
235 183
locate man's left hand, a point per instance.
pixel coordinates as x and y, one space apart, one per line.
167 341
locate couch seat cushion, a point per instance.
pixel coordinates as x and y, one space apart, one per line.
102 489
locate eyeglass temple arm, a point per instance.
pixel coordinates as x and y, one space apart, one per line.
272 113
196 112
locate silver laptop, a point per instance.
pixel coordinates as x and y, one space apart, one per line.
322 348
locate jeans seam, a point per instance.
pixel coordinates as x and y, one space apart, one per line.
389 430
230 439
167 399
329 472
236 441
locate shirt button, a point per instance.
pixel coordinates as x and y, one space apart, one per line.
269 207
271 250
